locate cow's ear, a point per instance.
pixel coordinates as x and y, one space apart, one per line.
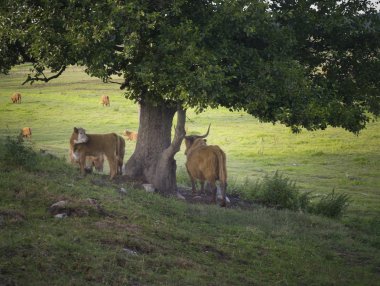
75 130
205 140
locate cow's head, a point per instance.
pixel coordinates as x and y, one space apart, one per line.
79 135
195 140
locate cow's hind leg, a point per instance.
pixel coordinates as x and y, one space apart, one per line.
214 191
223 187
193 188
113 164
202 187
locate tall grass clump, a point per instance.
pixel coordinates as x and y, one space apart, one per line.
17 154
331 205
279 192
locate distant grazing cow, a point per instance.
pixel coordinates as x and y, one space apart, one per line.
16 97
105 100
131 136
26 132
206 163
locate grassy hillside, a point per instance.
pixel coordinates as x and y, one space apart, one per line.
143 239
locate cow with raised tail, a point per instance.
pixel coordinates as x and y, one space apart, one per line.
206 163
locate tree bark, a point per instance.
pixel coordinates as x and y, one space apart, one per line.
153 159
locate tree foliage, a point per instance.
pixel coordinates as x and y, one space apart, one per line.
338 44
303 63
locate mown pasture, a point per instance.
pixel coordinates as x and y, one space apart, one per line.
268 246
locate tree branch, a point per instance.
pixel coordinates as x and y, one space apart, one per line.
44 79
111 81
119 48
178 135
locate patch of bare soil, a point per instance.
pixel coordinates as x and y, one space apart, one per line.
184 193
206 198
79 208
10 216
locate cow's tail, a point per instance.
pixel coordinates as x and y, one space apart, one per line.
222 174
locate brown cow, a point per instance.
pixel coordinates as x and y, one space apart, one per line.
107 144
131 136
26 132
16 97
206 163
98 160
105 100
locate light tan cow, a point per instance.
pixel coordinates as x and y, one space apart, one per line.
98 161
26 132
16 97
105 100
206 163
131 136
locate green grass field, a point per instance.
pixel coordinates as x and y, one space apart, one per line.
318 161
176 243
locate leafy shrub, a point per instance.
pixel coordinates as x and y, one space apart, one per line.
17 154
281 193
304 200
331 205
245 189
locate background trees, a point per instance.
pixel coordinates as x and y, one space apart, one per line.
338 46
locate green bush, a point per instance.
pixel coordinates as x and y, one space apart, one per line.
331 205
280 193
17 154
245 189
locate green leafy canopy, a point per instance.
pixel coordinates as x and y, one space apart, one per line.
302 63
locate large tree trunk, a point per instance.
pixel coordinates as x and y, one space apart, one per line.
153 159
